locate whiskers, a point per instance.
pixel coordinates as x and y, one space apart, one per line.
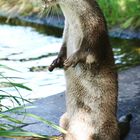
57 12
50 11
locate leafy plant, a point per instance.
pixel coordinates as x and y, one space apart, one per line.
9 130
11 126
122 12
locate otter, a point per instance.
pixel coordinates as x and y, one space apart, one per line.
91 77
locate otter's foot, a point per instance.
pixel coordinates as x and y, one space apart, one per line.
64 121
79 56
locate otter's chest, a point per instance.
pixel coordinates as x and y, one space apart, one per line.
75 32
74 39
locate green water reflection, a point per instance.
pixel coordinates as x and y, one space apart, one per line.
127 52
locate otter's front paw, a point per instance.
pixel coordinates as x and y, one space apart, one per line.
79 56
58 62
71 61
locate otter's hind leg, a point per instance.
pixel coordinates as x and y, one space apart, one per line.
64 121
109 130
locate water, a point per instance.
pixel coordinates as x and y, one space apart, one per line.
18 43
30 52
126 52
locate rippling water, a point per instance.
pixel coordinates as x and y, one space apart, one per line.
18 43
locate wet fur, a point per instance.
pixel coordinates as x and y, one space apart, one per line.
91 78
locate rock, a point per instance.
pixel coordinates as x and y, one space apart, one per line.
124 33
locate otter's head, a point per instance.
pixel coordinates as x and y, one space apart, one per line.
69 3
52 2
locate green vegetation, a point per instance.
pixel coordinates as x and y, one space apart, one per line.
11 105
123 12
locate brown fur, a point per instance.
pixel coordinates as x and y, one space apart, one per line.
91 79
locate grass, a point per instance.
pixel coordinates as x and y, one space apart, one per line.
123 12
10 126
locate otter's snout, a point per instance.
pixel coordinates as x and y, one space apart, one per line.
48 2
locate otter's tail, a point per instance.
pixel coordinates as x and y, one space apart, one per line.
124 125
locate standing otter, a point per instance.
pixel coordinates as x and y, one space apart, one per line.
91 78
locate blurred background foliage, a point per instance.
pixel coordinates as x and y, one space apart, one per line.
19 7
125 13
